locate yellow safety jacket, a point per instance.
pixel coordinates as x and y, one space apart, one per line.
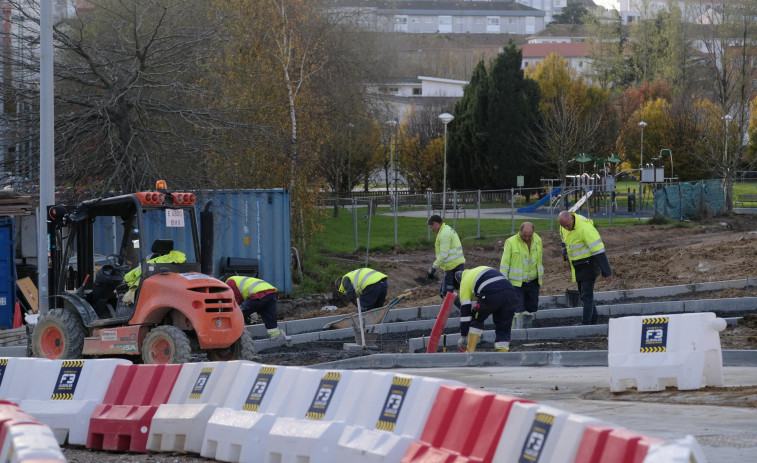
449 251
582 244
248 285
173 257
361 279
518 263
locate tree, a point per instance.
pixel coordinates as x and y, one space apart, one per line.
574 13
128 96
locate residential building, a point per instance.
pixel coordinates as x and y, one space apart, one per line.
576 53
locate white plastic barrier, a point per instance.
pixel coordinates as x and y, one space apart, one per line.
179 425
64 393
540 433
668 350
237 430
392 416
310 434
31 442
686 450
15 374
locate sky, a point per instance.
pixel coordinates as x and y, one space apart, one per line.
607 3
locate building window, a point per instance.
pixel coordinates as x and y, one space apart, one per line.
417 91
478 21
492 20
445 20
400 20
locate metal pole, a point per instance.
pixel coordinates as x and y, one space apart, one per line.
368 238
428 213
478 220
454 210
444 179
394 160
360 321
354 220
512 211
46 153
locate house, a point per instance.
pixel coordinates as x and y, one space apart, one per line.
442 16
576 53
403 95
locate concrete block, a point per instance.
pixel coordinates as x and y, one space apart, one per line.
740 358
740 304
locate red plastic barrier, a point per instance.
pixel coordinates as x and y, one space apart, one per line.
464 425
122 421
11 415
602 444
441 321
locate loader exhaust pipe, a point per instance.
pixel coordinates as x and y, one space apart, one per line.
206 240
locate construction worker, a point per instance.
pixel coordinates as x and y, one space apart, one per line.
449 254
584 248
132 278
522 266
495 296
367 284
257 296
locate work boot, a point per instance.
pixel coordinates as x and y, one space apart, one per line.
527 320
279 333
517 321
473 341
503 346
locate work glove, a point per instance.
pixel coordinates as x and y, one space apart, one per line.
431 273
462 344
564 252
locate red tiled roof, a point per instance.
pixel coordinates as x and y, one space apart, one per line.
567 50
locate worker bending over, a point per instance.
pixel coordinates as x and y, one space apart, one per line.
257 296
367 284
495 296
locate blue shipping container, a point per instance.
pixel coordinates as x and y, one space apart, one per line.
7 273
246 223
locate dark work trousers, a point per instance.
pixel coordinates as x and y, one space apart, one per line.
448 282
528 295
500 304
265 307
586 293
374 295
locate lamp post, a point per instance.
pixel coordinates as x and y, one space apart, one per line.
642 124
350 126
446 118
394 123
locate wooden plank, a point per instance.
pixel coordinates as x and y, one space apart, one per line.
26 285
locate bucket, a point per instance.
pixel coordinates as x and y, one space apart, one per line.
571 297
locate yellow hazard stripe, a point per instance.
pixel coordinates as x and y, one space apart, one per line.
545 418
654 320
62 396
401 381
73 363
267 370
653 349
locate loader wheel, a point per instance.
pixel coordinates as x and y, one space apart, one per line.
242 349
59 334
166 344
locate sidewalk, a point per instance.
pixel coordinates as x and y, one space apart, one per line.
726 434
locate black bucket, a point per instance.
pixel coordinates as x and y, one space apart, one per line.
571 297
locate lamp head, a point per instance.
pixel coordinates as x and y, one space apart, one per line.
446 118
642 124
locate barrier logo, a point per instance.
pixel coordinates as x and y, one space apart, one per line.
3 364
654 334
323 395
393 404
67 379
201 382
536 437
258 389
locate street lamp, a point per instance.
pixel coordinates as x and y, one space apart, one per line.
446 118
642 124
350 126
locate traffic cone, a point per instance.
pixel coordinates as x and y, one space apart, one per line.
17 316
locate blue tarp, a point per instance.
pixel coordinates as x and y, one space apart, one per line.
685 201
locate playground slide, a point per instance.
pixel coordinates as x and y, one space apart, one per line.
534 206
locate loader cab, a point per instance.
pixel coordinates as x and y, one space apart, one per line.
139 227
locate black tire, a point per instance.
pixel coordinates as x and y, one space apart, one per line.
166 344
242 349
59 334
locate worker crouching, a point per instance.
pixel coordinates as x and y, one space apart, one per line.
257 296
495 296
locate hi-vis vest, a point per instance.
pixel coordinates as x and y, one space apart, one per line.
449 251
249 285
361 279
173 257
516 260
582 243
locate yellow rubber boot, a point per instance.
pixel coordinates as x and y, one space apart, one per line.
502 346
473 341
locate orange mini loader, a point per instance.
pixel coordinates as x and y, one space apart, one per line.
170 311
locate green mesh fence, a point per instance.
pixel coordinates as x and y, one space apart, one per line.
684 201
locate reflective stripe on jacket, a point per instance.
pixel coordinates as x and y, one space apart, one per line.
248 286
583 242
449 251
361 279
518 262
